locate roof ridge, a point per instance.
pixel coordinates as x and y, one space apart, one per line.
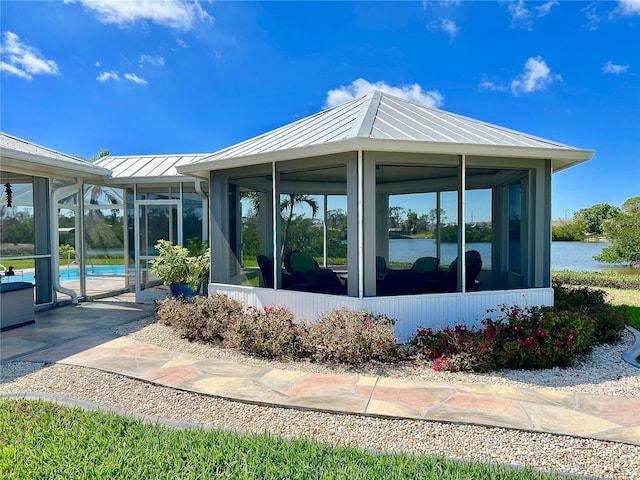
363 124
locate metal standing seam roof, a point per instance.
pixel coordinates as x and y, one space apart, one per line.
20 153
376 118
146 167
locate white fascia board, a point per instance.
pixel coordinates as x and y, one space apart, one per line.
408 146
122 181
561 157
46 167
276 156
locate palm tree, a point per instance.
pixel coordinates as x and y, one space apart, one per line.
287 205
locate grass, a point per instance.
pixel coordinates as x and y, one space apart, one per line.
45 440
627 299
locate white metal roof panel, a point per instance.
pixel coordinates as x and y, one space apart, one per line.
379 116
146 166
31 155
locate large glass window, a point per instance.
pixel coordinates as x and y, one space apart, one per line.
515 226
17 228
192 217
104 239
25 239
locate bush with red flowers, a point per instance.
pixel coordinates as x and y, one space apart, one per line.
517 338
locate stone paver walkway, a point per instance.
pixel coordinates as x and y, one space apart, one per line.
535 409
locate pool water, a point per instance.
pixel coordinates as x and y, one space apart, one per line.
70 273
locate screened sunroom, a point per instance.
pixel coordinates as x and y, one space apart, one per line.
482 193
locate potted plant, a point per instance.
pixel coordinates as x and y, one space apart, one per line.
182 272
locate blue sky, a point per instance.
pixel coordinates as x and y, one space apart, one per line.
172 76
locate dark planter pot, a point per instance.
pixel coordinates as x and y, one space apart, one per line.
183 291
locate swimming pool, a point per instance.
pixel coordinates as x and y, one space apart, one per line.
71 273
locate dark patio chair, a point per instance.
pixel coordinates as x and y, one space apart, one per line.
306 274
381 267
400 282
266 270
426 264
323 280
473 261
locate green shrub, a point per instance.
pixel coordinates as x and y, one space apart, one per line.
609 320
568 232
598 279
203 319
530 338
270 332
346 336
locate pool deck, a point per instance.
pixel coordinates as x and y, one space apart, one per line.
82 335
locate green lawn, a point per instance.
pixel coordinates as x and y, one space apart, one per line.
630 299
44 440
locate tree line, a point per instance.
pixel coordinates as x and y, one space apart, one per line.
620 226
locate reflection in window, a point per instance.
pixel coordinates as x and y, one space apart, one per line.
515 215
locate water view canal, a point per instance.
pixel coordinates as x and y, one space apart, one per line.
577 256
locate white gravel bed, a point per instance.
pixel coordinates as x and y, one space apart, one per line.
603 373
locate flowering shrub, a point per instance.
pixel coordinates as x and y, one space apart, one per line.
592 302
270 332
529 338
352 337
203 319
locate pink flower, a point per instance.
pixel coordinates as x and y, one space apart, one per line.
442 363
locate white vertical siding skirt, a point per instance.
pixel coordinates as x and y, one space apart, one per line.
435 311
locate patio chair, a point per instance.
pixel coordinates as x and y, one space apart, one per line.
426 264
323 280
381 267
266 270
307 275
473 261
400 282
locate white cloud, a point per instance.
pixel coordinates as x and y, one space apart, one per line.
447 26
489 85
181 43
359 87
155 60
8 68
611 67
23 60
536 76
545 8
104 76
522 17
136 79
628 7
450 27
593 19
177 14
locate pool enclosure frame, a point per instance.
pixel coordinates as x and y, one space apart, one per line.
53 176
143 181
